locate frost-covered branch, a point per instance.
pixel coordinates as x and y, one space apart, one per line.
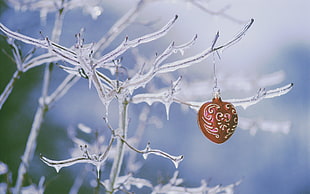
40 113
166 97
246 102
168 67
118 27
58 50
94 159
62 89
261 94
9 87
221 12
126 44
148 150
157 68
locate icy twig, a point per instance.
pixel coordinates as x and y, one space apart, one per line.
118 27
261 94
9 87
126 44
58 50
140 79
148 150
221 13
183 63
245 102
144 118
157 68
40 113
40 60
58 164
165 97
123 127
94 159
173 49
34 132
62 89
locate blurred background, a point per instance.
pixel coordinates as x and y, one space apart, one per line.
278 44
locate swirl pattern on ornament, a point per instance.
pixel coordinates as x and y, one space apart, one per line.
217 120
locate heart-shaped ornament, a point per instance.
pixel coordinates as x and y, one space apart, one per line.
217 120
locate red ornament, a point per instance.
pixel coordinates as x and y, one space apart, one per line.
217 120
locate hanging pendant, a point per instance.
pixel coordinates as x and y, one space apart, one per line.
217 120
